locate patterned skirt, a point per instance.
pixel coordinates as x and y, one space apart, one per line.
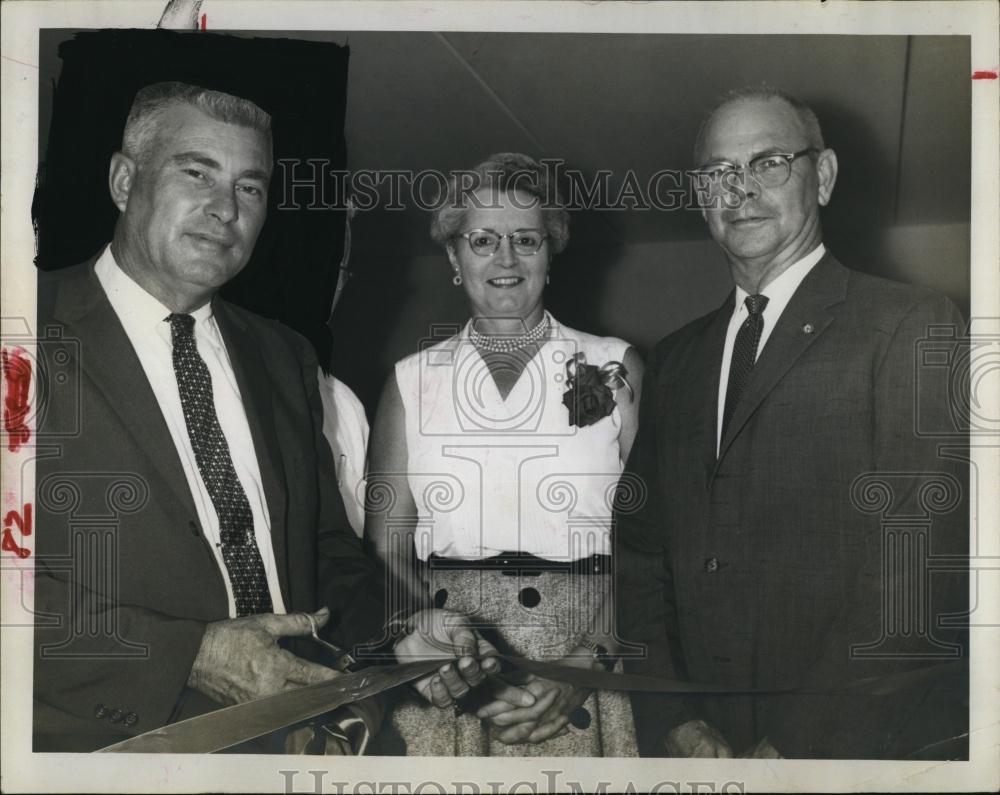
540 615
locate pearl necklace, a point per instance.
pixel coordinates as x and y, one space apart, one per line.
509 344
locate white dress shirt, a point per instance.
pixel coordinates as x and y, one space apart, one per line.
144 320
779 293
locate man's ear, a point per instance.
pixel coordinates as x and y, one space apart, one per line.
826 168
120 178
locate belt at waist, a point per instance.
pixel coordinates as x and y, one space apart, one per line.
520 563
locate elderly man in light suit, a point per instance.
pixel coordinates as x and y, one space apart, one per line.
750 565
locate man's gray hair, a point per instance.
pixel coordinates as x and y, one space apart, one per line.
151 101
806 116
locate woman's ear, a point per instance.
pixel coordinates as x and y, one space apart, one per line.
450 249
120 178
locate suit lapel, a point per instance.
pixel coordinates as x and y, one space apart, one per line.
707 385
804 320
109 360
256 390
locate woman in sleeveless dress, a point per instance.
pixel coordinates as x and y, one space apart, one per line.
496 456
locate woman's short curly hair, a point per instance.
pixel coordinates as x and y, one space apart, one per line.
504 172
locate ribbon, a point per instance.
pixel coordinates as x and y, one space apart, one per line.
614 377
613 374
229 726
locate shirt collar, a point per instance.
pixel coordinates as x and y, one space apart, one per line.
139 311
780 291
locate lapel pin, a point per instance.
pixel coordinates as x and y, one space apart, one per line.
808 328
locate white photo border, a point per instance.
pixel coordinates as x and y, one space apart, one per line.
28 772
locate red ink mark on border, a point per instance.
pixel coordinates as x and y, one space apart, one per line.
23 523
24 527
984 74
17 380
204 21
10 545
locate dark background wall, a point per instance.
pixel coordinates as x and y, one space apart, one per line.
289 275
895 108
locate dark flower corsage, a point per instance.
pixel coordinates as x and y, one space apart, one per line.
589 395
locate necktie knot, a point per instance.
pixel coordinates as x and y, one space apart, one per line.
180 325
755 303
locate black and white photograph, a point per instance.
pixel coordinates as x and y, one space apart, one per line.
500 396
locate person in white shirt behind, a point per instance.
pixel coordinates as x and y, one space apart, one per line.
345 427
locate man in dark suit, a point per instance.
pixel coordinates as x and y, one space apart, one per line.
190 530
779 446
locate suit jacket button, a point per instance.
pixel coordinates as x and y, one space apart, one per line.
116 716
100 711
131 719
711 565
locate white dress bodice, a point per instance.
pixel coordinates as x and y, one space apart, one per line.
492 475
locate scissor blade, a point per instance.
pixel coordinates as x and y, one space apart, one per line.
229 726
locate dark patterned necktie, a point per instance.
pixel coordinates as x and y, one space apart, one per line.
211 451
744 355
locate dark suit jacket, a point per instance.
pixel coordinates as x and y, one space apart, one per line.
125 580
762 566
